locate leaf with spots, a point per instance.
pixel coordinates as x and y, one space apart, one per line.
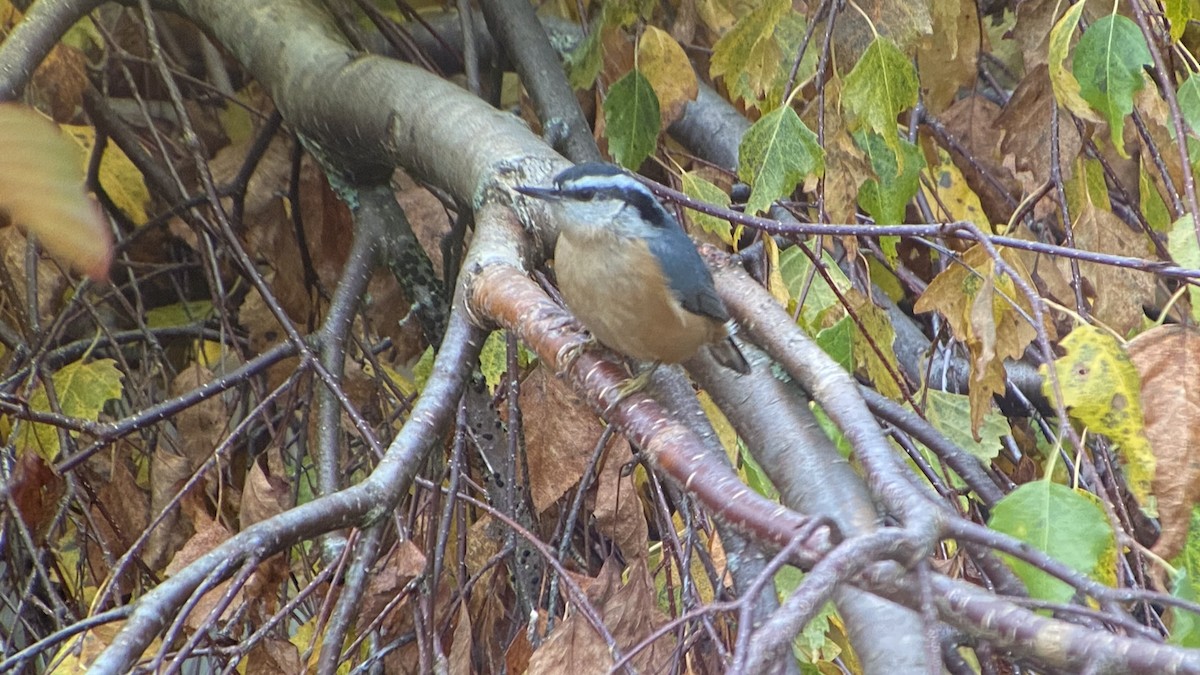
1102 390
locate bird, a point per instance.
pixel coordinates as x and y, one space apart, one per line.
630 274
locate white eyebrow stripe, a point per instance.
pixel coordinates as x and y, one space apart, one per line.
619 182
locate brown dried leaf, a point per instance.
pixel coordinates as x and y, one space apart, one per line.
51 283
633 615
35 490
972 122
977 302
200 426
1025 122
121 509
460 650
629 611
209 534
263 496
168 472
404 562
947 61
59 82
1120 292
272 656
1035 18
846 169
560 433
618 512
1168 361
573 647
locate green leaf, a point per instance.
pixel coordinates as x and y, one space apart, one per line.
748 57
179 314
625 12
493 359
896 180
838 342
805 284
754 475
951 415
776 154
1066 87
584 62
1185 250
423 368
1178 12
81 389
1065 525
1108 64
1153 207
881 86
1189 102
1185 625
701 190
632 116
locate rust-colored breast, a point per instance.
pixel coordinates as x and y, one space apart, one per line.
617 289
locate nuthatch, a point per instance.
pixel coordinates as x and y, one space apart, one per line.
630 274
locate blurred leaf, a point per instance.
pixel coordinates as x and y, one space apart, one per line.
1108 65
776 154
882 85
809 289
1154 209
584 62
1102 390
1060 522
632 116
874 355
81 389
41 181
1189 102
1185 625
837 342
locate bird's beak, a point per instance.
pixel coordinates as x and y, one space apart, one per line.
539 192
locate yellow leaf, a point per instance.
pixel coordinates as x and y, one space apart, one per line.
1102 390
81 389
119 177
951 196
666 66
774 277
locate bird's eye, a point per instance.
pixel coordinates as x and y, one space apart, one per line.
586 194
